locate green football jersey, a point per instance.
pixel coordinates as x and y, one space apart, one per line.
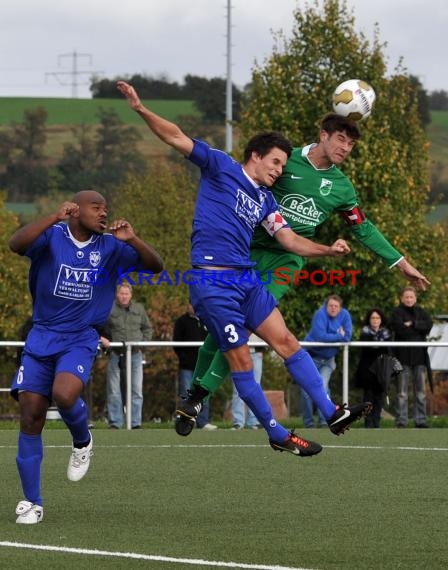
307 196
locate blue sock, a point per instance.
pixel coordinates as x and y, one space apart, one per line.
252 394
304 373
29 458
76 419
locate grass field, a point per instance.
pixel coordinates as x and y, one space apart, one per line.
373 499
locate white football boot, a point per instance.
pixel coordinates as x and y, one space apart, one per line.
79 462
29 513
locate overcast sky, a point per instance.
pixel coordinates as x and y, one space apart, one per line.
175 37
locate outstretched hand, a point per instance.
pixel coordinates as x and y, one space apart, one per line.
130 93
413 275
167 131
122 230
339 248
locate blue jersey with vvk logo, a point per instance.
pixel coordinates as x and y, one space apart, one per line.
73 283
229 206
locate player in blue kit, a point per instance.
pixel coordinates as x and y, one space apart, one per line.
234 199
72 279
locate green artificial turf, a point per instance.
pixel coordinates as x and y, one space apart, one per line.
373 499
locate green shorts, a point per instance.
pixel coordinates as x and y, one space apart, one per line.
276 269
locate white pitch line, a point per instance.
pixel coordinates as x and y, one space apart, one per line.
152 557
382 447
237 446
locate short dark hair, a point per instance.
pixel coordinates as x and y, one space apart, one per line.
264 142
370 313
333 123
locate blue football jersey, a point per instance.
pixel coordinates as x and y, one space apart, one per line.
73 284
229 207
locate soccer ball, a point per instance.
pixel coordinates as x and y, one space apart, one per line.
354 99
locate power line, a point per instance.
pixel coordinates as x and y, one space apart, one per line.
75 73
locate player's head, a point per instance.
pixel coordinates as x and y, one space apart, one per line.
265 156
92 215
264 142
334 123
338 136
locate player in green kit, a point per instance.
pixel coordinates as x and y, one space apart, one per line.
310 189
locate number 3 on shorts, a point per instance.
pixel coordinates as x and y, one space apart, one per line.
233 335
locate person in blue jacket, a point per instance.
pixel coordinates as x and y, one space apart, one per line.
331 323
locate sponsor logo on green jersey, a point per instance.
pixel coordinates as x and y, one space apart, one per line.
301 208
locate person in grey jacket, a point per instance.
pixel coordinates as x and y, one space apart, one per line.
128 321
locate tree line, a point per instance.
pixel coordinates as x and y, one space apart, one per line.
438 100
102 156
208 95
99 157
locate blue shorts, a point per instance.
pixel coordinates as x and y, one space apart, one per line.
47 353
230 303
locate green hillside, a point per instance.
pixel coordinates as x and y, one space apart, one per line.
438 150
439 119
64 114
84 111
438 136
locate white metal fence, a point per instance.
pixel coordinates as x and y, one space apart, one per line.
345 347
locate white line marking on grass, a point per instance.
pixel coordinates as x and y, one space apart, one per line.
238 446
136 556
245 446
383 447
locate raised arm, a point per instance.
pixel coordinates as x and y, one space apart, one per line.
167 131
22 239
372 238
308 248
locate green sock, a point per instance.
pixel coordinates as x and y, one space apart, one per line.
211 366
205 357
217 372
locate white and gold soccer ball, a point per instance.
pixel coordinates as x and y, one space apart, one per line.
354 99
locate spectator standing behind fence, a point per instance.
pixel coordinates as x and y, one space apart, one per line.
189 328
331 323
374 330
128 321
411 323
242 415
